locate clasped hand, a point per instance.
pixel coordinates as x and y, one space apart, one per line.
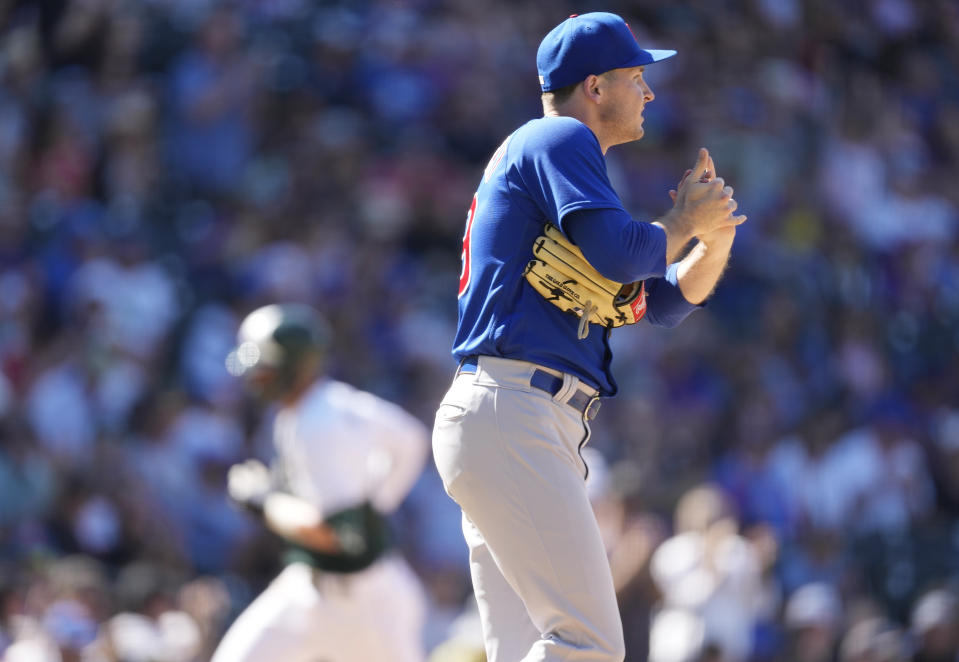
705 203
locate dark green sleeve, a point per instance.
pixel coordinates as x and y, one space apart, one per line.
363 534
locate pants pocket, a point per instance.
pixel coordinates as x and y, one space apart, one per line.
450 411
448 437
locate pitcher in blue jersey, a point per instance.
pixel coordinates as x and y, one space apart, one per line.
508 434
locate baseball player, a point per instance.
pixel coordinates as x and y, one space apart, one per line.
343 459
552 262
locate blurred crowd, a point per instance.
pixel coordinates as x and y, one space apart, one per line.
781 472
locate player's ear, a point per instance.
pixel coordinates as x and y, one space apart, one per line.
592 86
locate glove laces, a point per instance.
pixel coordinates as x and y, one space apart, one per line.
583 329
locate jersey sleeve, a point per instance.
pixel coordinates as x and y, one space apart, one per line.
665 304
399 453
563 169
618 247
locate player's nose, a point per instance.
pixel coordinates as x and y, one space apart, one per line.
648 92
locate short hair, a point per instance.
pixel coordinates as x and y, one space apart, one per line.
560 95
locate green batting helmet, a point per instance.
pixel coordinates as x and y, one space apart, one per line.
281 340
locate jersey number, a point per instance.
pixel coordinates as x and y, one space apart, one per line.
491 166
465 273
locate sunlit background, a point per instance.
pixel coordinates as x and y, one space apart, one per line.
781 478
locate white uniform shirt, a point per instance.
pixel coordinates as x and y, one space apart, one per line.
339 446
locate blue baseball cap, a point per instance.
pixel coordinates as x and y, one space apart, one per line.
587 44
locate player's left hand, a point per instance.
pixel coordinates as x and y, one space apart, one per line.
719 237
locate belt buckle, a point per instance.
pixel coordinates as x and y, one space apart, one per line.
592 408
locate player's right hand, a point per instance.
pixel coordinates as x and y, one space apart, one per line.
702 201
248 482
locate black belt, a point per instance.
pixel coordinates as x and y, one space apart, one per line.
583 402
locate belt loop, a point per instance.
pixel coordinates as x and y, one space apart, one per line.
567 390
470 362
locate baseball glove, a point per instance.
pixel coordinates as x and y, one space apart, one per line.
562 275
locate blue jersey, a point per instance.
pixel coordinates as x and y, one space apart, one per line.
546 170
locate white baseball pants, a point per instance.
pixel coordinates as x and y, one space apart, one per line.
508 454
370 616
